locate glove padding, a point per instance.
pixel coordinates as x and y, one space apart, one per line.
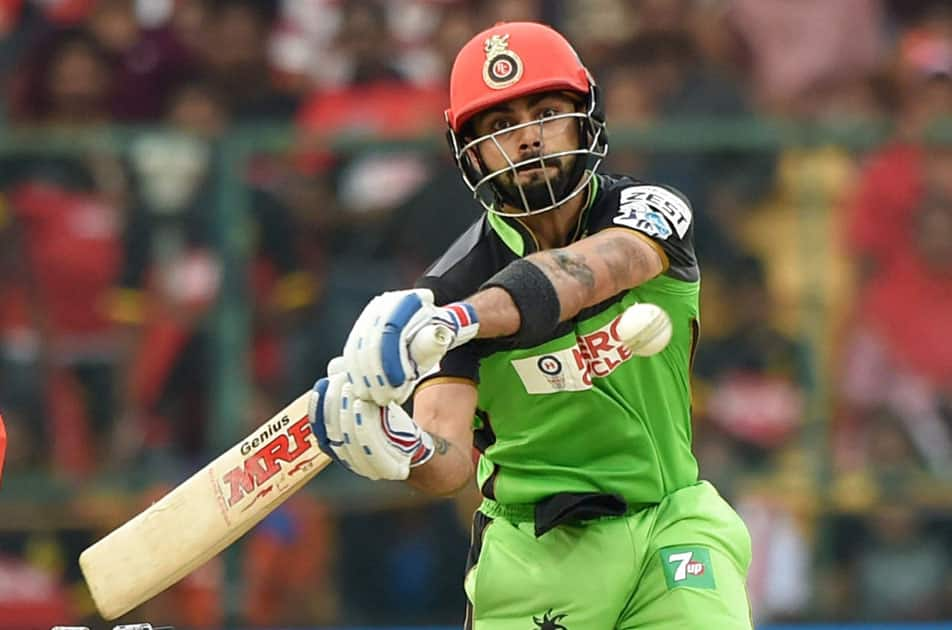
378 358
373 441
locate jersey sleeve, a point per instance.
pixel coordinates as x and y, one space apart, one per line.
661 215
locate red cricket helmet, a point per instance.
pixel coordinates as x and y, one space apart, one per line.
511 60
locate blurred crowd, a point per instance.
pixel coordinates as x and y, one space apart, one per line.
823 381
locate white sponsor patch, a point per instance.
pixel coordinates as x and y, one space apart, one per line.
594 355
654 210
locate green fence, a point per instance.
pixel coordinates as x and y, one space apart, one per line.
231 321
37 500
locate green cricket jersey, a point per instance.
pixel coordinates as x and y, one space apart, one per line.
579 413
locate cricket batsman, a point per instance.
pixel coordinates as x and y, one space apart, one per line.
593 515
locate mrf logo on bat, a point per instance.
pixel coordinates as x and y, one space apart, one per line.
277 442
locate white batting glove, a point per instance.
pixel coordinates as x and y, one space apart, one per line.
378 359
373 441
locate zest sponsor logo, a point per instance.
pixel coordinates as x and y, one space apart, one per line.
654 210
594 355
279 442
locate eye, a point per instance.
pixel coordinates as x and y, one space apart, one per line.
548 112
500 124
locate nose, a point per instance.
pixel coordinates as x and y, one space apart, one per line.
530 139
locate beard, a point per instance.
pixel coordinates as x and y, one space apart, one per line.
536 189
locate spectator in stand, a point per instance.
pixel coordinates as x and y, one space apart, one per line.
660 77
235 60
900 356
366 43
895 177
894 564
67 81
148 61
750 388
901 573
752 381
456 23
286 587
187 22
798 228
382 574
493 11
372 96
62 234
602 29
897 355
792 46
172 277
378 102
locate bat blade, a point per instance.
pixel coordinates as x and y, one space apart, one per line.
204 514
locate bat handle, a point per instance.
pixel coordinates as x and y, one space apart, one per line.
429 345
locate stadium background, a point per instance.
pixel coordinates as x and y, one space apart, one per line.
197 197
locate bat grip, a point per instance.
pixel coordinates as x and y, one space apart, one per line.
429 345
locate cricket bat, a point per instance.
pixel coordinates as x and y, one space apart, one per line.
217 505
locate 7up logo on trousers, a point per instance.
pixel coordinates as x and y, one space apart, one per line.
687 566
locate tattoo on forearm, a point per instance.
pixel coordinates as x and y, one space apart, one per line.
573 266
440 445
623 260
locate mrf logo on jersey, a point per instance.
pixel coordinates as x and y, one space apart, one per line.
278 442
653 210
595 355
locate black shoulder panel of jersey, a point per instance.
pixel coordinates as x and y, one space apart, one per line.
471 260
465 265
657 211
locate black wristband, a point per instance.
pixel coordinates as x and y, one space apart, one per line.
535 298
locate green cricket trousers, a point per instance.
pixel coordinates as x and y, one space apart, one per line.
678 564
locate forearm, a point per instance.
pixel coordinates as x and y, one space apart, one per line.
449 469
498 315
582 275
445 410
591 272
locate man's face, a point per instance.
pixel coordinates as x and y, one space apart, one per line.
78 83
236 43
546 135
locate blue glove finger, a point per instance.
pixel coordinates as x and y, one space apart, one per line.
316 414
391 339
